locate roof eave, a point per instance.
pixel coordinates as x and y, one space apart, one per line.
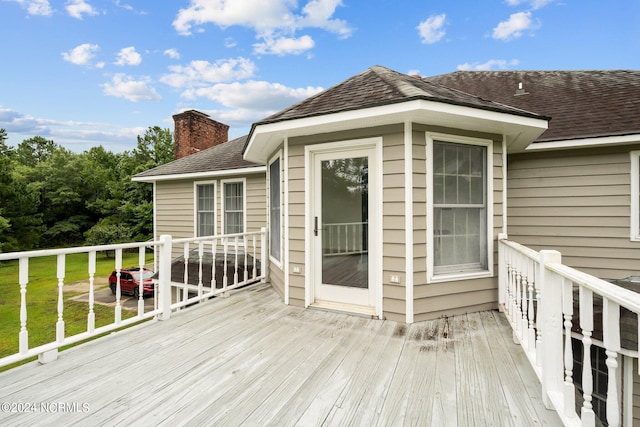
520 128
202 175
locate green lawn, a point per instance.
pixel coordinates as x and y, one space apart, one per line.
42 299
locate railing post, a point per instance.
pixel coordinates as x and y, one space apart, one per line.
264 268
551 324
502 272
164 277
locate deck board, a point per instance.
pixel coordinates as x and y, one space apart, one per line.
250 360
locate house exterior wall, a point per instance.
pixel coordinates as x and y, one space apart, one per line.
175 205
433 300
430 300
577 202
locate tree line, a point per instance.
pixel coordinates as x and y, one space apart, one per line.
52 197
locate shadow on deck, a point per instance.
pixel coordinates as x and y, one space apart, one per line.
248 359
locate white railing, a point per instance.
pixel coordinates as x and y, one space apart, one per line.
548 304
240 259
346 238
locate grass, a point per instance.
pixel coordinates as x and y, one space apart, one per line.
42 299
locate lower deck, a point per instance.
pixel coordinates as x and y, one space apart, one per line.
248 359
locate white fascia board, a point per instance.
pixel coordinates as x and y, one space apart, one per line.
199 175
584 142
266 137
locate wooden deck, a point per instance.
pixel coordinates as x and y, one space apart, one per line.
248 359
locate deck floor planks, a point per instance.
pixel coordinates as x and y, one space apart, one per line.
281 365
267 373
287 389
526 383
308 398
420 405
491 395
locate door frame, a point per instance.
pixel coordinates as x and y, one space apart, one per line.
375 216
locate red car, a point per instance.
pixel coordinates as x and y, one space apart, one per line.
130 281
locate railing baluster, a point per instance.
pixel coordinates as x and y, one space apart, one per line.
141 262
118 310
214 249
60 275
91 318
23 279
185 291
225 280
246 248
587 415
567 310
524 324
531 330
235 264
255 257
200 255
611 331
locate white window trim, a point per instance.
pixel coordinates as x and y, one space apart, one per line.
635 187
244 202
275 261
431 276
196 184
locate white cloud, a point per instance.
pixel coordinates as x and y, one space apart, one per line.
492 64
123 86
271 20
74 135
76 8
36 7
172 53
199 73
128 56
535 4
253 95
284 46
430 30
514 26
81 54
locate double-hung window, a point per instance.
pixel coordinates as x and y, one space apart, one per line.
274 209
459 201
205 209
233 206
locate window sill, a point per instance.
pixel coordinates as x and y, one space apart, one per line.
454 277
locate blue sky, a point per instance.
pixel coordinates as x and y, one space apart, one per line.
99 72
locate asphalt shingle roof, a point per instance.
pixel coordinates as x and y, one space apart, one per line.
581 104
381 86
220 157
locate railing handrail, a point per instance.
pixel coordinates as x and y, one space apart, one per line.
240 269
545 301
216 236
8 256
621 296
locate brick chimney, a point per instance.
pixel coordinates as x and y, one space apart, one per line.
195 131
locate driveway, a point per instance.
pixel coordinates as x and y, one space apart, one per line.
102 295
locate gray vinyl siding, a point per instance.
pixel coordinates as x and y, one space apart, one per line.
393 228
434 300
174 206
636 394
296 224
578 203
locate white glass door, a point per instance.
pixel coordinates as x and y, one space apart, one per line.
341 227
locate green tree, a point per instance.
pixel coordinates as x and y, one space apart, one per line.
20 221
35 150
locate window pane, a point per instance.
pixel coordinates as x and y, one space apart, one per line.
233 207
459 231
274 203
206 210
